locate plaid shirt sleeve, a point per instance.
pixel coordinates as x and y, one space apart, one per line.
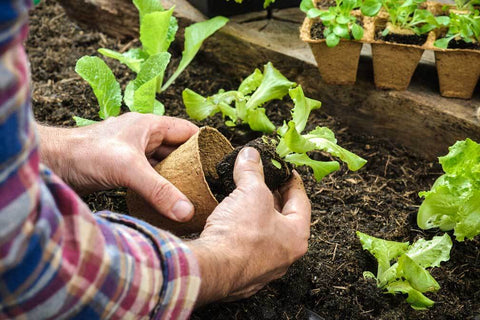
57 259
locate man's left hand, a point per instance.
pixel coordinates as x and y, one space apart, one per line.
119 152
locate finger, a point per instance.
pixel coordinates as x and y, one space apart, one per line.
277 198
160 193
295 199
174 131
162 152
248 168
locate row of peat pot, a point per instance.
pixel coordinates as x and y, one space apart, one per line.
393 63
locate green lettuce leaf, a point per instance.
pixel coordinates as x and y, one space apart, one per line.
258 120
383 250
82 122
321 137
154 29
104 85
415 298
195 34
147 6
292 141
273 86
251 82
419 278
320 168
197 106
303 107
452 201
145 85
130 61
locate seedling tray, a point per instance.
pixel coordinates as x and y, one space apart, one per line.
212 8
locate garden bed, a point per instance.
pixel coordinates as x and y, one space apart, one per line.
381 199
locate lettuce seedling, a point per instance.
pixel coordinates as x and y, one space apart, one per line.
404 15
408 274
157 31
453 202
293 146
464 27
257 89
338 21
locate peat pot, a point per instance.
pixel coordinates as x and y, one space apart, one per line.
187 168
394 63
212 8
337 65
458 71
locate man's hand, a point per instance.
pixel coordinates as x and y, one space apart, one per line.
247 242
120 152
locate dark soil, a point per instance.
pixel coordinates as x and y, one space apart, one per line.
460 44
381 199
402 38
274 177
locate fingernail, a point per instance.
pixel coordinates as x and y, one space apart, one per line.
182 209
250 154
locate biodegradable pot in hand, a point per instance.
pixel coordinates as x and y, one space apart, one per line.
188 168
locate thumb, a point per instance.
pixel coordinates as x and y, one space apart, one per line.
160 193
248 168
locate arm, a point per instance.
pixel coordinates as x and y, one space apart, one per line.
56 258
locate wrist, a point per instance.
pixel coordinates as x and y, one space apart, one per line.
57 151
220 270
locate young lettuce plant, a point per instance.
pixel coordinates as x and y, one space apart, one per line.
338 21
404 16
157 31
257 89
293 146
407 274
465 27
266 3
453 203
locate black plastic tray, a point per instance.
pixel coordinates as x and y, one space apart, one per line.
212 8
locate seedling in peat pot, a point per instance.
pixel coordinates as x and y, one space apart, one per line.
408 274
404 17
463 31
288 147
338 22
157 31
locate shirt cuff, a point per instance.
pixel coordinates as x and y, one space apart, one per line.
180 268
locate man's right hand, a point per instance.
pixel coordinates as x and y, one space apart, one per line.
251 238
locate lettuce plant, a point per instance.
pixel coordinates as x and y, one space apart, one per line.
339 22
292 146
157 31
464 27
408 274
405 15
453 202
257 89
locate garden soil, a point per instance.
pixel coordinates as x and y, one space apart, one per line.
381 199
